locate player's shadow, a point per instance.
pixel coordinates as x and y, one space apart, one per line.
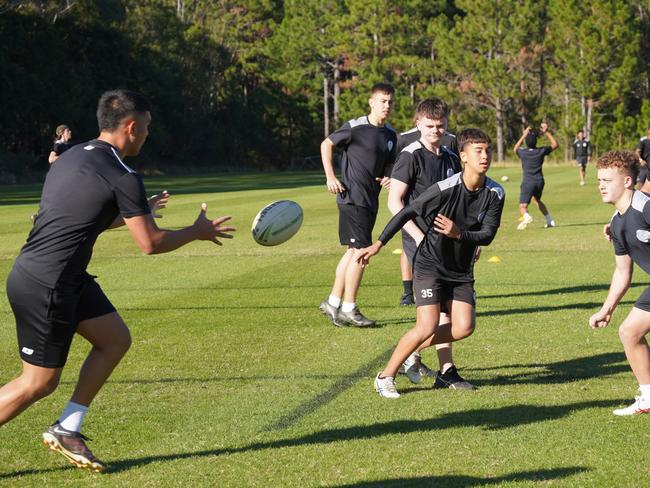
570 370
552 291
546 308
486 419
461 481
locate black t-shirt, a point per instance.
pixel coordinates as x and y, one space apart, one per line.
581 149
631 231
87 188
420 168
477 214
644 147
368 153
410 136
60 147
532 161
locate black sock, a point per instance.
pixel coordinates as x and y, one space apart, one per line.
408 287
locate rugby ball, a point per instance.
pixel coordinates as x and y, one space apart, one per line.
277 223
504 178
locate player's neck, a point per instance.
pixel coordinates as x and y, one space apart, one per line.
473 181
434 148
376 120
115 141
624 202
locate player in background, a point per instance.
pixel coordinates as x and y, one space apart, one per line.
630 234
460 213
61 142
368 145
420 165
89 190
643 153
581 154
532 185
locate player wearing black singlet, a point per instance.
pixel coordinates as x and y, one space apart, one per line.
532 184
630 234
581 154
460 213
643 153
419 166
89 190
61 142
368 145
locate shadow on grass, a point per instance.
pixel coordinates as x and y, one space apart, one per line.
567 371
183 185
486 419
552 291
460 481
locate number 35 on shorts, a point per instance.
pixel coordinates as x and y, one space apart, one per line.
427 293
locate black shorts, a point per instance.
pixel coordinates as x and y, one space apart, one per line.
355 225
409 246
582 162
643 302
643 174
47 318
530 189
431 290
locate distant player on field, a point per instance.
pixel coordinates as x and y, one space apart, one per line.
61 142
630 234
460 213
420 165
581 154
532 185
643 153
89 190
368 145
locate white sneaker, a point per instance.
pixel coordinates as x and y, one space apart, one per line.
549 224
525 220
412 368
582 183
386 386
640 405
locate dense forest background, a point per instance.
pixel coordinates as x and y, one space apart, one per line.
258 83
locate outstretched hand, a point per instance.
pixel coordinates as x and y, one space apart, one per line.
157 203
363 256
210 230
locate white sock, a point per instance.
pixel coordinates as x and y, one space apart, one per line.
73 416
645 391
348 307
334 301
549 220
527 216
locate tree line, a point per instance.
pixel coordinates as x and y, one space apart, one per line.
258 83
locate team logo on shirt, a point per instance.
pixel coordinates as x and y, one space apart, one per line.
481 216
390 145
450 172
643 235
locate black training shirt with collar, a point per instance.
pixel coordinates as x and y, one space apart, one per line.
631 231
477 214
84 192
532 160
581 149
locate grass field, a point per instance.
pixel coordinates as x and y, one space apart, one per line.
235 378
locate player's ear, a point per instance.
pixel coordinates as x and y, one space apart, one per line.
129 126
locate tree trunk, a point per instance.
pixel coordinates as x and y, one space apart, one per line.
499 115
326 108
590 111
567 132
337 93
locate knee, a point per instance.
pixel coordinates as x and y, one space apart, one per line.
628 334
464 329
123 341
36 389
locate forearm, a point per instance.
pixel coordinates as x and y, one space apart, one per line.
326 153
482 237
164 240
518 144
396 223
118 222
552 140
620 284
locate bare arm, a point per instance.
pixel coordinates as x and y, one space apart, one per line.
153 240
53 157
327 155
521 140
396 195
620 284
156 203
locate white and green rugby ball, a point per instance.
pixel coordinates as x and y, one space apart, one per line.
277 223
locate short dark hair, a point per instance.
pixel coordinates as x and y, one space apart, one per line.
433 108
472 135
382 88
531 140
580 130
115 105
625 161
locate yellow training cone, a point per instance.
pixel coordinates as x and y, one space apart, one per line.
397 251
494 259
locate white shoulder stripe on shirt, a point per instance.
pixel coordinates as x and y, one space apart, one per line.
360 121
411 148
639 199
117 156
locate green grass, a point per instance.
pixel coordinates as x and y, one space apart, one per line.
235 379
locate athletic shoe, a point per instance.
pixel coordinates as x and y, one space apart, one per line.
412 368
640 405
550 224
329 310
386 386
406 300
352 319
72 446
452 380
582 183
524 222
426 371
